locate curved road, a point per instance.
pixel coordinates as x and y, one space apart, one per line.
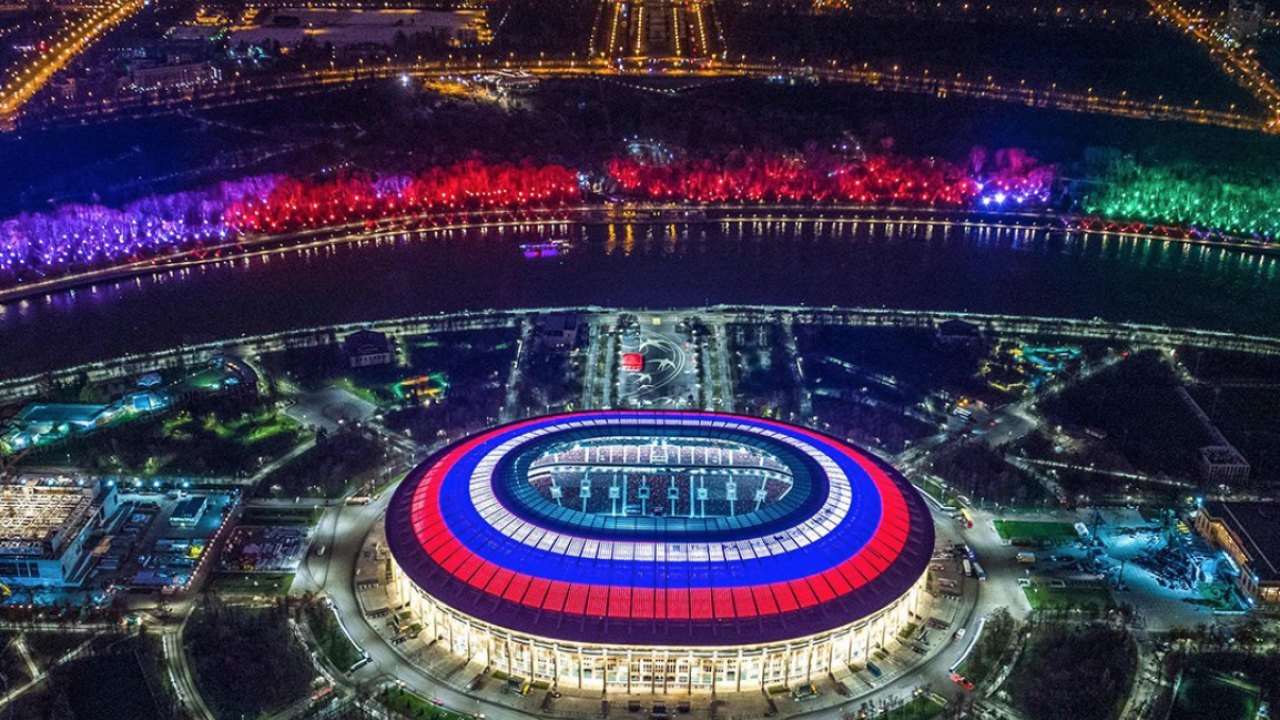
344 530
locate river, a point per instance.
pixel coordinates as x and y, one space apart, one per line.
952 267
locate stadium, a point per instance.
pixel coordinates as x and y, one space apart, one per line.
659 551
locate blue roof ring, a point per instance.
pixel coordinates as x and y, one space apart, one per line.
845 538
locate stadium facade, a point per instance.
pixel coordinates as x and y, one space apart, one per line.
659 551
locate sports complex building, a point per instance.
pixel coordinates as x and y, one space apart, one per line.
659 551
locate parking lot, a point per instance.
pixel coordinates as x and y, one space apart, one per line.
273 549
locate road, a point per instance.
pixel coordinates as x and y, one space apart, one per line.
344 531
39 677
26 78
180 673
1239 61
1139 335
251 88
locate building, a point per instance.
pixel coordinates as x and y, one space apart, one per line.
1245 19
632 362
558 330
659 552
959 332
347 29
42 423
150 77
1223 465
188 511
45 529
368 348
1220 462
1249 533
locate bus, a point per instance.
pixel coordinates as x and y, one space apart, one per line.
968 568
978 571
966 518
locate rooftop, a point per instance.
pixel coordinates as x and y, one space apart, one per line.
1256 526
959 328
366 342
190 508
35 518
58 414
1223 455
847 539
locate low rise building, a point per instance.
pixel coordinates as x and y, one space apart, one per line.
1223 465
189 511
40 423
1249 533
45 530
959 332
150 77
368 348
558 330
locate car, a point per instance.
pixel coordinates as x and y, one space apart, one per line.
961 681
959 635
437 701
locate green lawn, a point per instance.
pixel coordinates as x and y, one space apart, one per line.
935 490
270 584
360 391
921 708
327 469
246 431
1035 530
405 703
125 695
1041 595
306 515
332 639
1206 694
205 444
1135 402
